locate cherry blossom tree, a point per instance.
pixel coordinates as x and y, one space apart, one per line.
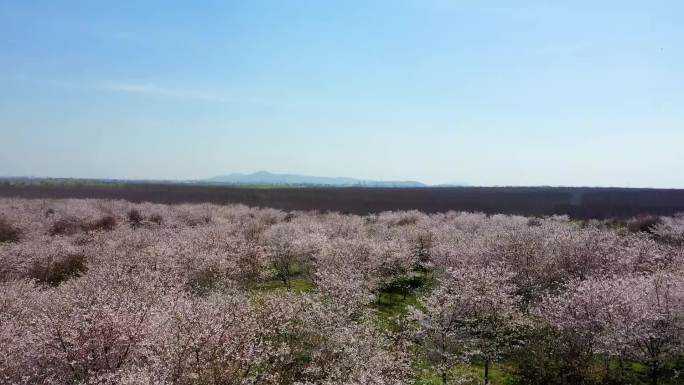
473 314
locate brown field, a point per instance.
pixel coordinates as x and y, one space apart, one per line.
581 203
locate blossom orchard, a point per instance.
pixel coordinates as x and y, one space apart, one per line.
112 292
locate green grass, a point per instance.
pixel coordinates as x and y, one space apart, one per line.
499 374
639 373
299 282
394 299
297 285
395 304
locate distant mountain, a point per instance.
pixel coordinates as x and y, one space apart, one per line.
267 178
455 184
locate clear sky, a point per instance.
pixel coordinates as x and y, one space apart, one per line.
587 93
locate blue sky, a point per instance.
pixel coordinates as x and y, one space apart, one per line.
586 93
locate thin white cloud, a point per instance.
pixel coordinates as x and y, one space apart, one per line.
151 89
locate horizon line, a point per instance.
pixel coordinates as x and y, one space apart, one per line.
426 185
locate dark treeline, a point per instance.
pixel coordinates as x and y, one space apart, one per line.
576 202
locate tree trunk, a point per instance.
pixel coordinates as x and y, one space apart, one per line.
486 372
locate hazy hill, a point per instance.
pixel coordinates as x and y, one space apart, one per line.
267 178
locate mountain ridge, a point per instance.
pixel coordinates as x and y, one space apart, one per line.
269 178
